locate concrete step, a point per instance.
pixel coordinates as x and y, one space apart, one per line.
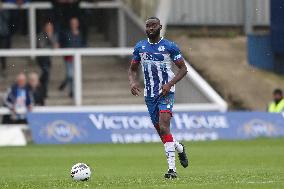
59 102
91 93
110 101
96 101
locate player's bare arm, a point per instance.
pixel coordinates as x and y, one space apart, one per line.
132 77
180 74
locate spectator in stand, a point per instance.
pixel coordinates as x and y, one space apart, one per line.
18 17
73 39
277 105
36 89
46 39
19 100
43 15
64 10
5 39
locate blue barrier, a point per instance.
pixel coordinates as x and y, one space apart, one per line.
261 55
129 127
259 51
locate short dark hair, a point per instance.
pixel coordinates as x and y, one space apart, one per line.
153 17
277 91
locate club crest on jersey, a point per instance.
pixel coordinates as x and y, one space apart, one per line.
161 48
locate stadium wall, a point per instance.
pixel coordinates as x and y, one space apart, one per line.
217 12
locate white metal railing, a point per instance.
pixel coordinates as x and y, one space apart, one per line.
207 90
116 108
77 53
217 102
163 13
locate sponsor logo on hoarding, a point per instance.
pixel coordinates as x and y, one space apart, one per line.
187 121
136 127
153 137
62 131
180 121
102 121
258 127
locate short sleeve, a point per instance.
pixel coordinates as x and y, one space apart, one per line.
136 55
175 53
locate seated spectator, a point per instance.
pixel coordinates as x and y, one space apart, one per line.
18 99
46 39
277 105
73 39
36 89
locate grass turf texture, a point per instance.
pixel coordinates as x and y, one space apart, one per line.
220 164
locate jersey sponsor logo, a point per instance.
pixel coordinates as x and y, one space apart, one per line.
153 57
177 57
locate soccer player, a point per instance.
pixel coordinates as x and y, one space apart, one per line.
156 55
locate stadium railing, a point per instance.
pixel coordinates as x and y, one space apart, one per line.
78 53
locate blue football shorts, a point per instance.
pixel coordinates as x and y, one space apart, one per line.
163 104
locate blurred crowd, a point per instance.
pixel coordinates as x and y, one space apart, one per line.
25 93
48 38
60 27
54 24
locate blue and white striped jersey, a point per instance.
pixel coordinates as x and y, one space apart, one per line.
156 60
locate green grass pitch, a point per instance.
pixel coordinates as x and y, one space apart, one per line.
220 164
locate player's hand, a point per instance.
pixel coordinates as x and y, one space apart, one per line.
166 89
135 90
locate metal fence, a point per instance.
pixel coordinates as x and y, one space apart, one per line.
216 101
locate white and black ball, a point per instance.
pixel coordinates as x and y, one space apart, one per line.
80 172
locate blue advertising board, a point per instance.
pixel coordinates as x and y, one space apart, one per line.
136 127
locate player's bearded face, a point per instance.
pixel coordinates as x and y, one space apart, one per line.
153 29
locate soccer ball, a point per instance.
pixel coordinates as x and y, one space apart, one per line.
80 172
